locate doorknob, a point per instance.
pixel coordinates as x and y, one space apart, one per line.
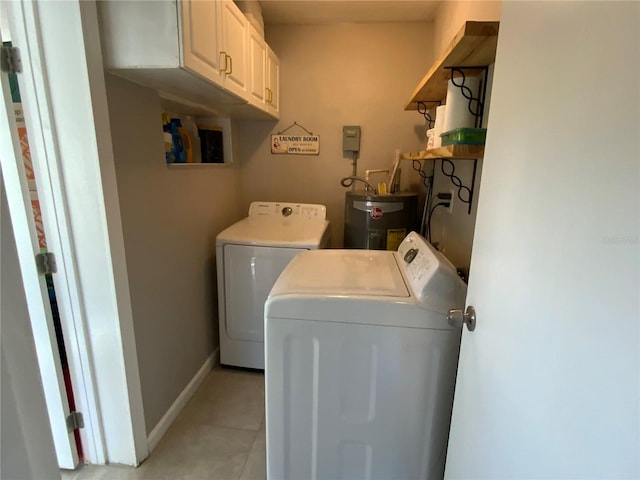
457 318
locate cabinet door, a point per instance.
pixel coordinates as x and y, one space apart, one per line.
201 39
234 44
273 83
257 69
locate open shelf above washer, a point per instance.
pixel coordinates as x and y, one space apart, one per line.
451 151
473 46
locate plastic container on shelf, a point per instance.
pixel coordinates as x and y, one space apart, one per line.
193 150
211 143
464 136
431 138
186 142
179 153
167 138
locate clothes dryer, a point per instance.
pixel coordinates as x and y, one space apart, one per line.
251 254
361 364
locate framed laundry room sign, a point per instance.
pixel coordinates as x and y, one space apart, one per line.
295 144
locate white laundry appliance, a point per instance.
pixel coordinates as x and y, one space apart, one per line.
250 255
361 364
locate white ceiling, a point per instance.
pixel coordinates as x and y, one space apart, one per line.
322 12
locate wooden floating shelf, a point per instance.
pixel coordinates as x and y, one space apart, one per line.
473 46
468 152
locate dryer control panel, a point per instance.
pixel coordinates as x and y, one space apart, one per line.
430 276
294 211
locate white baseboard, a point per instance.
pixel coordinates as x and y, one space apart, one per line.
167 420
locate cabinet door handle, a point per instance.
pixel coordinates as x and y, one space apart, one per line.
230 65
226 57
266 94
269 95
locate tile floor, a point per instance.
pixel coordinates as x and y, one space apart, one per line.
220 435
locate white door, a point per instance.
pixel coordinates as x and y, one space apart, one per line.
65 106
19 202
548 383
27 449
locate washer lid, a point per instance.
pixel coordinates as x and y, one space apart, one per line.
275 232
342 273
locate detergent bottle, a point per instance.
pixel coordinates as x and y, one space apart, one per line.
194 152
168 139
178 149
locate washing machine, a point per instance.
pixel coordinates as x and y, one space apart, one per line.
250 255
361 364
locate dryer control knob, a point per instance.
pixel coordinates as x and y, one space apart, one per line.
410 255
286 211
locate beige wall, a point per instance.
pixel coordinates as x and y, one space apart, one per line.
452 14
454 231
170 219
333 76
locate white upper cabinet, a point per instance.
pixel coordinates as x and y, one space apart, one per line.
234 48
191 51
273 83
264 75
257 69
201 40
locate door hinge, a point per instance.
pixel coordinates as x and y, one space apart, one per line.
46 263
75 421
10 61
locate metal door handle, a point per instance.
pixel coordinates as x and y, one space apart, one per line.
228 63
457 318
222 69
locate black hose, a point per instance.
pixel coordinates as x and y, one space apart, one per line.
348 181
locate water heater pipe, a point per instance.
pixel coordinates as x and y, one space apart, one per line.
354 173
350 182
